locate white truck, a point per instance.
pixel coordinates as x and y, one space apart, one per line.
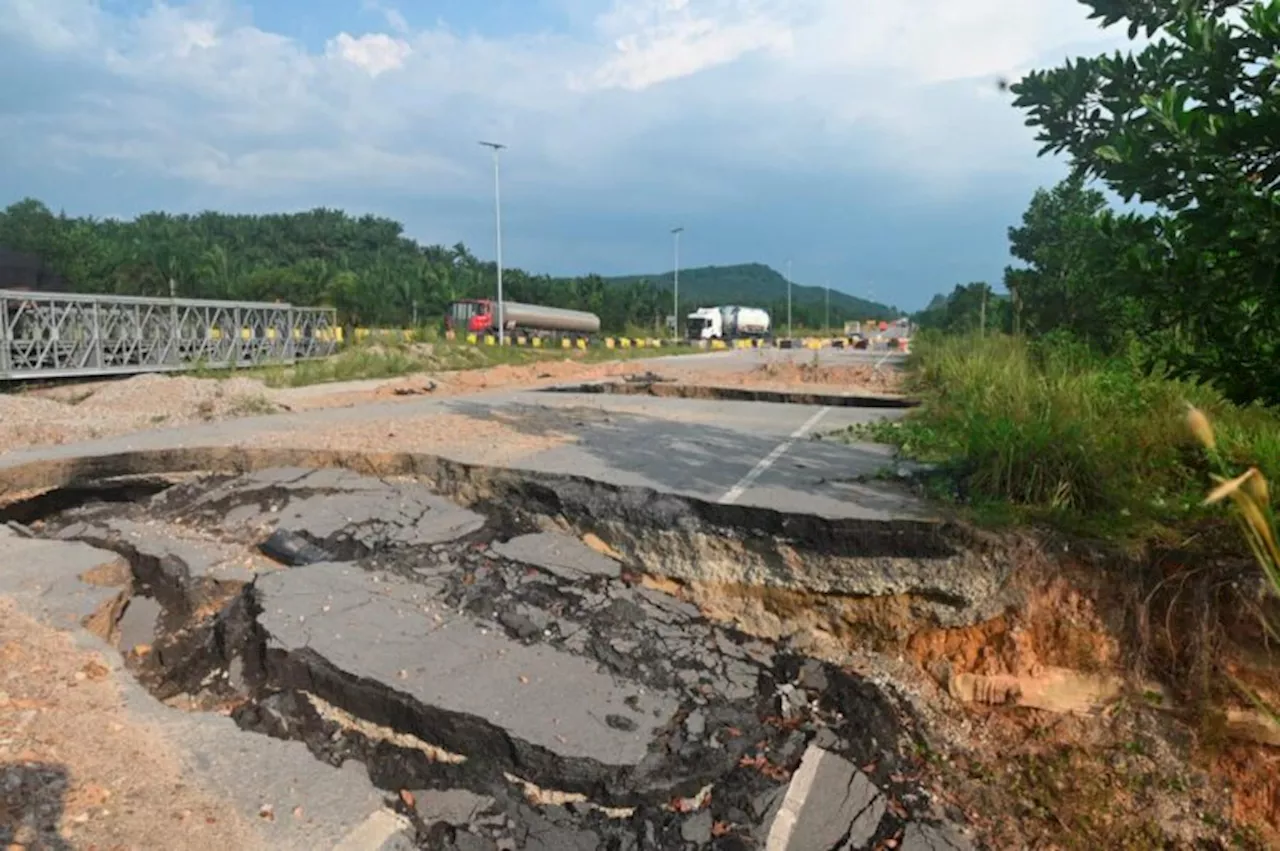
728 323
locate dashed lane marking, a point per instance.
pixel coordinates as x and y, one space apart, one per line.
732 494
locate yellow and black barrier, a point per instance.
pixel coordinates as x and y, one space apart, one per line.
538 342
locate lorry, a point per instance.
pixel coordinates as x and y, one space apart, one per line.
729 322
480 316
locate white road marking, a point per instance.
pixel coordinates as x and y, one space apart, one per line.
732 494
374 832
784 823
880 362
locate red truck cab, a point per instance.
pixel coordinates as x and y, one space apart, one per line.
472 315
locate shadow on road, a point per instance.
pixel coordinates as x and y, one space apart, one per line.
31 805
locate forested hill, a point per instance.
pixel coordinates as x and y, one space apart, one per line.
758 285
365 267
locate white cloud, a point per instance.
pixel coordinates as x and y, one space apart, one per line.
393 16
656 90
375 53
54 25
660 40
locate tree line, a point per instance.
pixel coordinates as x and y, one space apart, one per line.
365 267
1188 126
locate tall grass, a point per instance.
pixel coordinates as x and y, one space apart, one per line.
1053 428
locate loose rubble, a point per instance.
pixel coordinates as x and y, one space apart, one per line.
507 685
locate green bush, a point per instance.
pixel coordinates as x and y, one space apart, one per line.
1053 427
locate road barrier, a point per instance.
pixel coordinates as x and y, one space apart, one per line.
812 343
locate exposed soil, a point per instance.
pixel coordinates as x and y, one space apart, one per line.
454 383
77 770
788 375
1027 742
1126 768
74 413
427 433
87 411
71 414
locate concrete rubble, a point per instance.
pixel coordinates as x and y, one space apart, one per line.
504 686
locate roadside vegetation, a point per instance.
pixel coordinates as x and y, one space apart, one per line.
1053 430
1118 390
1063 397
392 359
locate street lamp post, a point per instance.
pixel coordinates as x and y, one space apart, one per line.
497 214
826 322
675 315
789 300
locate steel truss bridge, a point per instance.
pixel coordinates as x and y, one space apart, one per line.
66 335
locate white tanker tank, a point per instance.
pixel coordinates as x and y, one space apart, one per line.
728 323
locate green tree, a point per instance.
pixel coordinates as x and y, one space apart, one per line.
1069 281
1189 124
365 267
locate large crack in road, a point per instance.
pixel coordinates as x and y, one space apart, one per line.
513 686
668 389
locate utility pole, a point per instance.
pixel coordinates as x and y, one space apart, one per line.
982 313
826 322
675 315
789 299
497 214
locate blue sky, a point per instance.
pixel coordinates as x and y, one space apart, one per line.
864 139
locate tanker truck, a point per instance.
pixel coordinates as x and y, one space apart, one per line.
480 316
728 323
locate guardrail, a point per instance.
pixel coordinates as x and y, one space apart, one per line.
67 335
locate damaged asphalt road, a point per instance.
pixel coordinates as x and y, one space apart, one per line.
508 686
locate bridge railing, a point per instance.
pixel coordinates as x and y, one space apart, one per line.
50 335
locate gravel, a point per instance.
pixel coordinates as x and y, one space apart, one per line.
104 409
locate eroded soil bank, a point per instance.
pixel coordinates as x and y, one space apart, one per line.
534 661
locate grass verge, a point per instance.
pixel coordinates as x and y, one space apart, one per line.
390 360
1051 431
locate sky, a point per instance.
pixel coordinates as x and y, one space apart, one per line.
864 140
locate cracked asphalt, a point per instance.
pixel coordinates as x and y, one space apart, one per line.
475 676
483 665
762 453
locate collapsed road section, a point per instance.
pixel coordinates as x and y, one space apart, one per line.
510 685
657 386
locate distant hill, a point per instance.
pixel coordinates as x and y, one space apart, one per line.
758 285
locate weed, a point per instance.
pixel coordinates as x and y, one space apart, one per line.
1094 445
1250 497
252 406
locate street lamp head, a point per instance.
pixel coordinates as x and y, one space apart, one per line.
677 230
497 146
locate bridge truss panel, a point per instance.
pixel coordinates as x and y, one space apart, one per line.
53 335
315 332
